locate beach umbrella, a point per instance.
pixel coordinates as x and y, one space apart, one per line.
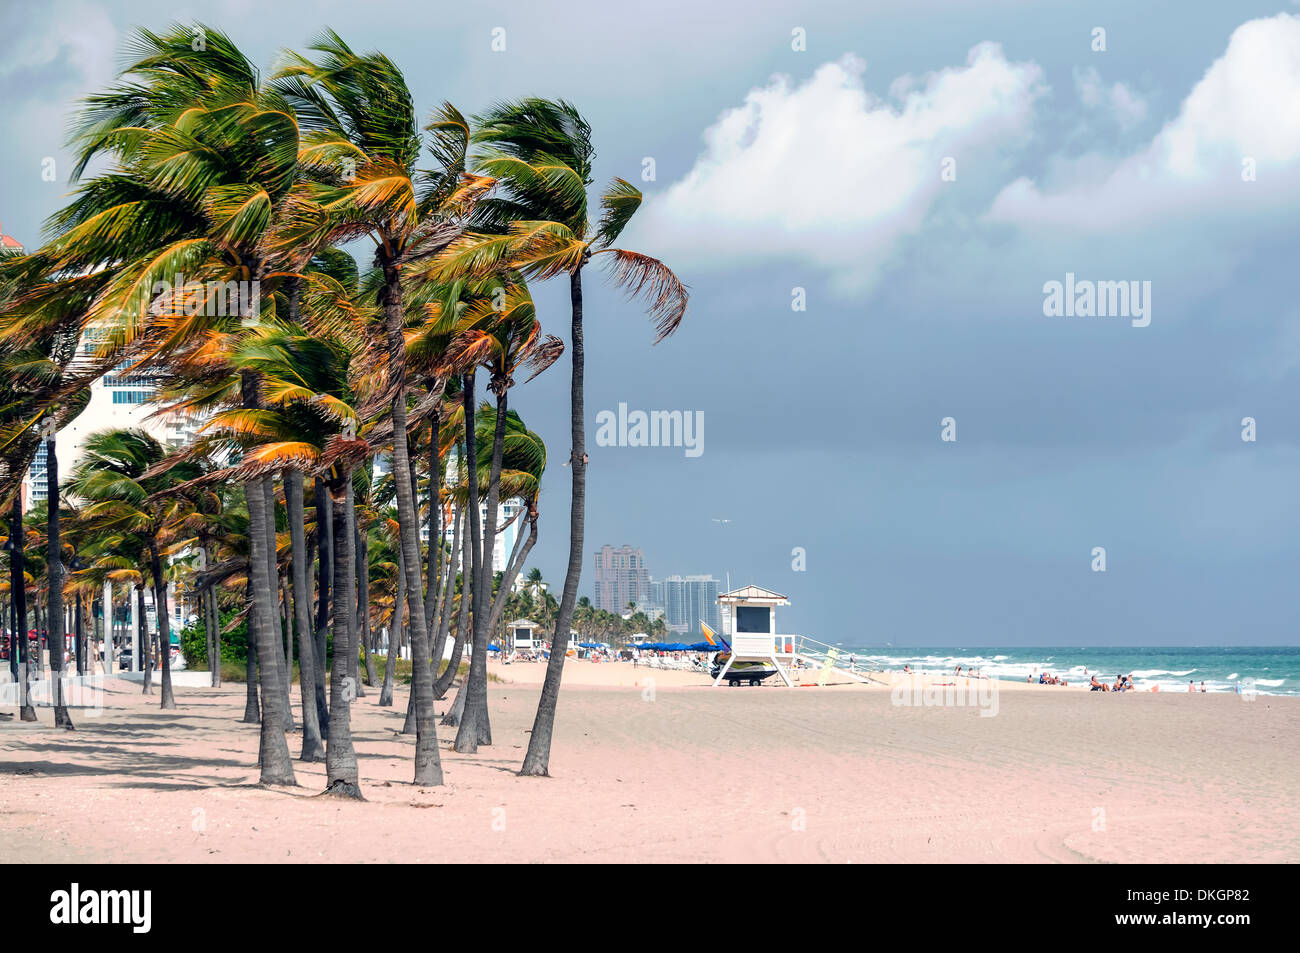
494 648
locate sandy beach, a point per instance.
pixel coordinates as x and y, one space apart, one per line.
676 771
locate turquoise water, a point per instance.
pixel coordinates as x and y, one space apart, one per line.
1275 670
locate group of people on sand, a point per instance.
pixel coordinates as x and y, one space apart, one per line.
1123 683
971 672
1045 679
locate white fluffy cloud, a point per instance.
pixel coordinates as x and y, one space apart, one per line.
1244 110
824 171
1127 107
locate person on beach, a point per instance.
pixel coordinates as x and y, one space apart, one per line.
907 670
1191 685
1202 687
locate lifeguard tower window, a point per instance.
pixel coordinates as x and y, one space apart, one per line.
753 619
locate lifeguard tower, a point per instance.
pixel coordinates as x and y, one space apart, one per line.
749 621
521 635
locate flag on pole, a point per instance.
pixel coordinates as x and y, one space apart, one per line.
713 637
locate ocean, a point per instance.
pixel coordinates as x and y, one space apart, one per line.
1274 669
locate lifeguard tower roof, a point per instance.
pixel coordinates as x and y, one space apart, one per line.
523 624
753 595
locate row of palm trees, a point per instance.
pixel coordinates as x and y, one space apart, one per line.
532 601
318 368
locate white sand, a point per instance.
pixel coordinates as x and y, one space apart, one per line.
680 773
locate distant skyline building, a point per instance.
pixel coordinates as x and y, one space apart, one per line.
686 601
620 577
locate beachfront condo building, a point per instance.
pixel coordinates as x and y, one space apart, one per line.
118 399
620 577
510 519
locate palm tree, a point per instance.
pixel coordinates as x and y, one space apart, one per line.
504 332
308 377
361 145
124 498
517 474
204 159
540 153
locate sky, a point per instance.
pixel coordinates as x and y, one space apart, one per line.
868 201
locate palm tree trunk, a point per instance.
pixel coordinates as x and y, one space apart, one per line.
538 758
271 558
456 714
146 641
452 716
394 636
428 764
18 587
522 548
205 607
445 597
325 544
54 577
164 623
252 708
273 750
432 575
363 610
313 746
475 728
78 637
340 757
286 600
214 609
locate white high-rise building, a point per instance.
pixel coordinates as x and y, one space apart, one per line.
508 512
687 601
117 400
